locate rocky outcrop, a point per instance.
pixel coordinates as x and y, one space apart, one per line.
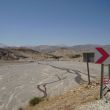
7 54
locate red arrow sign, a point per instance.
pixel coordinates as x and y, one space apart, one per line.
105 55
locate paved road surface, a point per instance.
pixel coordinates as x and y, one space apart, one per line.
21 82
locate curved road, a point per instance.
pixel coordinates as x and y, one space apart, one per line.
20 82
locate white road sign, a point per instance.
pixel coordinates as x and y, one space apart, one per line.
102 55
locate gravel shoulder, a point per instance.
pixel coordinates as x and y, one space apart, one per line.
96 105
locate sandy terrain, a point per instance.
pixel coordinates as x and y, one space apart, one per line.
20 82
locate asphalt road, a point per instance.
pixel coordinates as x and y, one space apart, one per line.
21 82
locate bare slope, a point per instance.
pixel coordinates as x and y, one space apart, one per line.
21 53
70 100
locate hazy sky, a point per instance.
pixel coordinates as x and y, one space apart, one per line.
53 22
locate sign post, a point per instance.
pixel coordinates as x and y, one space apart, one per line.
102 56
109 70
88 69
101 81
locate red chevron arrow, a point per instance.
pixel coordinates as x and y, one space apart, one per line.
105 55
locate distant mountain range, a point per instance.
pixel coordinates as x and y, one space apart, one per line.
77 48
2 45
43 52
45 48
49 49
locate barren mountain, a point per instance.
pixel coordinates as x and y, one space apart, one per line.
65 53
76 48
88 47
45 48
21 53
44 52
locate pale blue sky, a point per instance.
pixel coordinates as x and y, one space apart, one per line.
54 22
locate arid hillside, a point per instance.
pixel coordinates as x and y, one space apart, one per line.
22 54
70 100
45 52
30 54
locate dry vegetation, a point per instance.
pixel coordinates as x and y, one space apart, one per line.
69 100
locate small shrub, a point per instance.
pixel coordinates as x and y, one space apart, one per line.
75 56
20 108
35 100
96 98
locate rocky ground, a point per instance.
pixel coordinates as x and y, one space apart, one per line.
96 105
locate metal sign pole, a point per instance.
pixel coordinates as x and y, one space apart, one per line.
102 56
101 83
109 70
88 69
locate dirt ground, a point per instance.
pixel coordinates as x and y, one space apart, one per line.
19 82
69 100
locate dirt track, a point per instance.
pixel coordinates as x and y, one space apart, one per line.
20 82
